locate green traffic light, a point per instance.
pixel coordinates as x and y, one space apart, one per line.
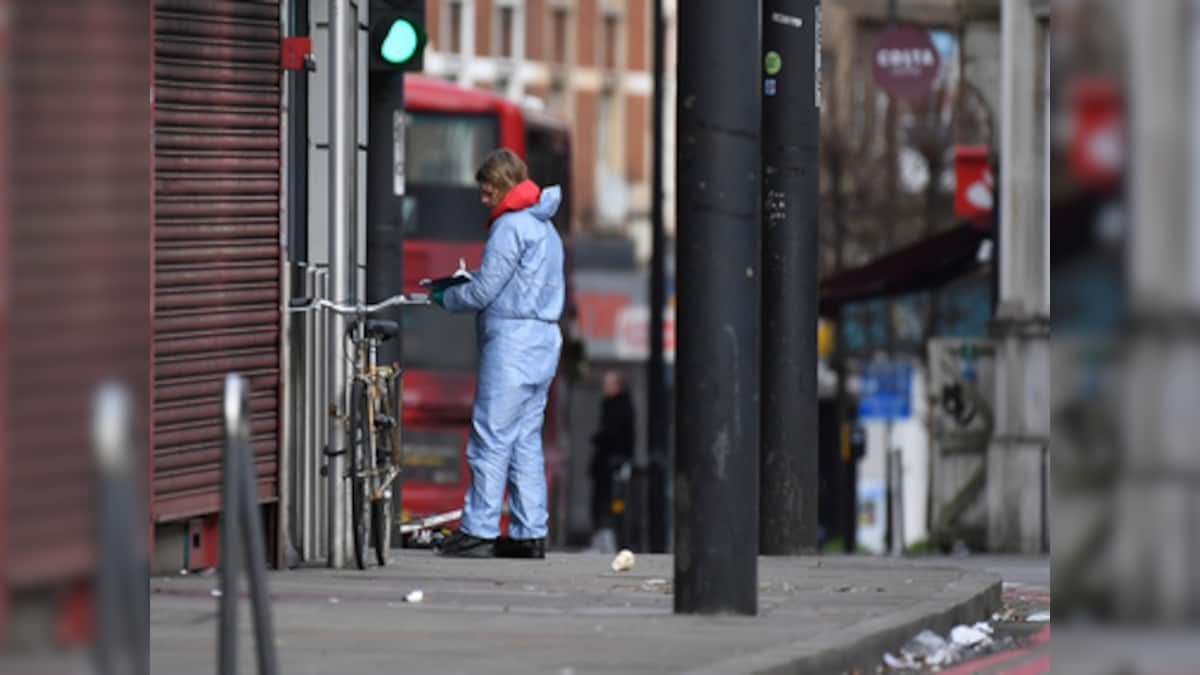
401 42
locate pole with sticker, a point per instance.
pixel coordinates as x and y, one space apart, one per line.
790 135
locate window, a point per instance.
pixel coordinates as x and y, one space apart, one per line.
456 27
439 340
432 455
445 149
441 153
558 33
549 164
441 204
507 14
611 41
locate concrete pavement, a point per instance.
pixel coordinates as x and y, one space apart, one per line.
572 614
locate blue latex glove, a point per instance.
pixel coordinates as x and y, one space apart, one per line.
438 297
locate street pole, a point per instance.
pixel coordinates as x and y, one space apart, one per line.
385 194
341 153
791 135
1021 325
717 355
659 416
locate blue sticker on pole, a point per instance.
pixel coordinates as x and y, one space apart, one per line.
769 86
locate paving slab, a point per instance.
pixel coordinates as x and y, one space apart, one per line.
571 614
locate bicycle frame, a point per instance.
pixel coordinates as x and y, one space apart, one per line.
371 479
367 371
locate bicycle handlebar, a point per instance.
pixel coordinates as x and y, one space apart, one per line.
306 304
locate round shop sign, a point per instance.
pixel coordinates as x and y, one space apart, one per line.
905 62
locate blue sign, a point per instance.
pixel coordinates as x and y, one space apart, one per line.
886 392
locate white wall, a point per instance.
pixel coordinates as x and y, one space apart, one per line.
911 436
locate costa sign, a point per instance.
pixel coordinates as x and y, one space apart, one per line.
905 62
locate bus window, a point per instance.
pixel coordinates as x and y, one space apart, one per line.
441 206
441 153
446 149
443 214
437 340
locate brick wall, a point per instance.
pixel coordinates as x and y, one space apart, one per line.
637 35
637 137
483 27
583 75
583 135
586 29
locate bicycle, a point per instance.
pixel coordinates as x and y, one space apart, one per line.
372 422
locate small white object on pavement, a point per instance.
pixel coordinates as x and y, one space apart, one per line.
897 663
967 636
415 597
624 561
1039 617
216 592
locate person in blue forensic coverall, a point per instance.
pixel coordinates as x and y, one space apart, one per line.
518 292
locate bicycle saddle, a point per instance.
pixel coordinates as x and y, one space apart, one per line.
382 329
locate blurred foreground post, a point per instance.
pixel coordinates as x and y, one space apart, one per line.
719 258
122 595
1155 536
242 544
791 134
1017 456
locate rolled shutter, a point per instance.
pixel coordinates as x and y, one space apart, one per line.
216 244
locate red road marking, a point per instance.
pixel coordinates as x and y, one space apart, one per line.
984 663
1034 667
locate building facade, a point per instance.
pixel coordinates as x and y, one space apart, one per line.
587 61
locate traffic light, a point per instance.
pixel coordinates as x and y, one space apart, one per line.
397 34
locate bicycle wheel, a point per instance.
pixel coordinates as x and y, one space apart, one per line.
360 465
381 528
383 509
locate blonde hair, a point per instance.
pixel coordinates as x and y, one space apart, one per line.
502 170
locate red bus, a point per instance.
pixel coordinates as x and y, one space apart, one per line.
450 129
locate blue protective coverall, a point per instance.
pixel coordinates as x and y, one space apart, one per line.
518 292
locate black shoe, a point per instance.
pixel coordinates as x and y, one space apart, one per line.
521 548
462 545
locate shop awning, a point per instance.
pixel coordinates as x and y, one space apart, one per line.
926 264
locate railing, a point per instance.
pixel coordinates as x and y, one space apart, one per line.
242 538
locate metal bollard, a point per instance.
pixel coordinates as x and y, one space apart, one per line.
241 537
122 595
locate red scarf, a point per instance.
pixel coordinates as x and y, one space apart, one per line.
522 196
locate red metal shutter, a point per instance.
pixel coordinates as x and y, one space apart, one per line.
216 243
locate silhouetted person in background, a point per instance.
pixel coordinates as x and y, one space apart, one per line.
612 455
